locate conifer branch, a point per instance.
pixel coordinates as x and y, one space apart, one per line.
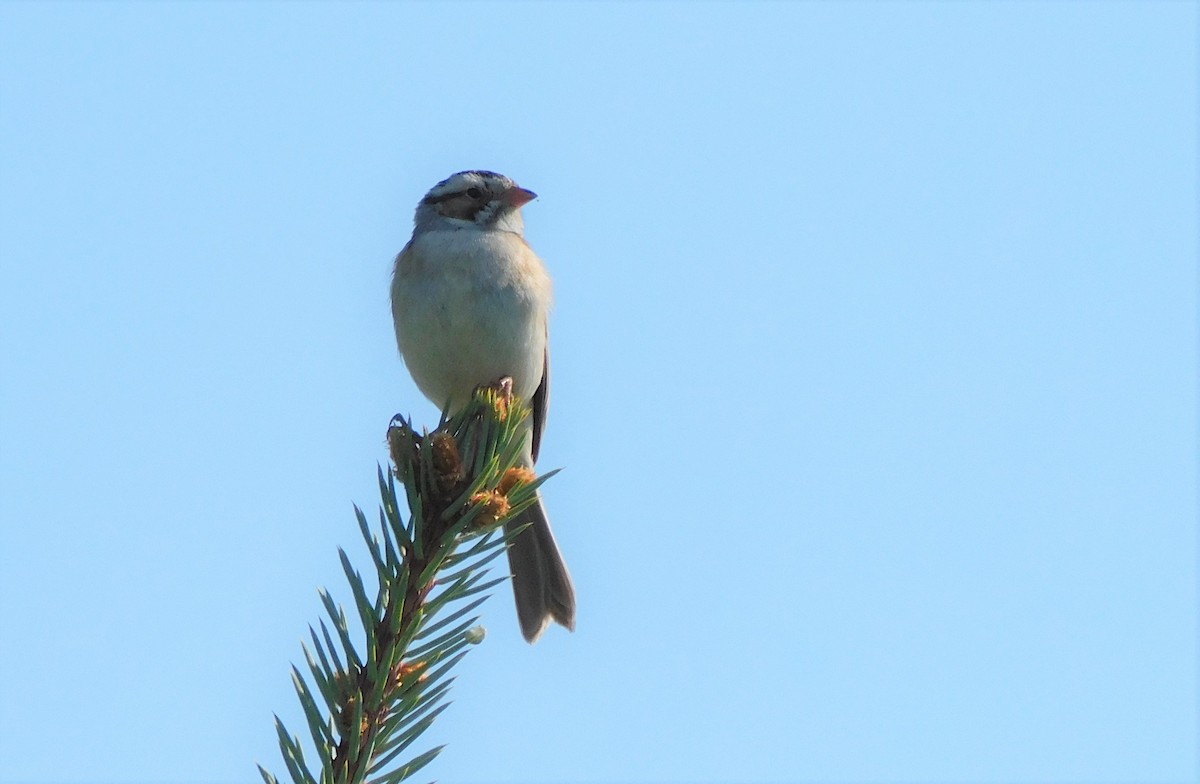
366 703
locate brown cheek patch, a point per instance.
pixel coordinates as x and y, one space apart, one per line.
459 206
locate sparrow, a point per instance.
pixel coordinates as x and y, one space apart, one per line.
471 305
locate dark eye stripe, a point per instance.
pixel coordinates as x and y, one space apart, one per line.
482 173
440 199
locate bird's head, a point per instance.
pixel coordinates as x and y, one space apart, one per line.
474 199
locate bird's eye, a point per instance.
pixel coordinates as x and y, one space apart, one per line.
474 193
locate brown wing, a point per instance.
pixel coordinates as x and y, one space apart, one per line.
541 402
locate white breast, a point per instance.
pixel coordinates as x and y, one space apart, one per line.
470 307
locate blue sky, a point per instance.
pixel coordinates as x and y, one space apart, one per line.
874 379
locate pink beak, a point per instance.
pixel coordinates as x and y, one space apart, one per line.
518 197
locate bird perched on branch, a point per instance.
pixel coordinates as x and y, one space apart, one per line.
471 303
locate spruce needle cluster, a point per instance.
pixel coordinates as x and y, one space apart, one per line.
378 676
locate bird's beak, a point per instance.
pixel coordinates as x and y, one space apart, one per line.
518 197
